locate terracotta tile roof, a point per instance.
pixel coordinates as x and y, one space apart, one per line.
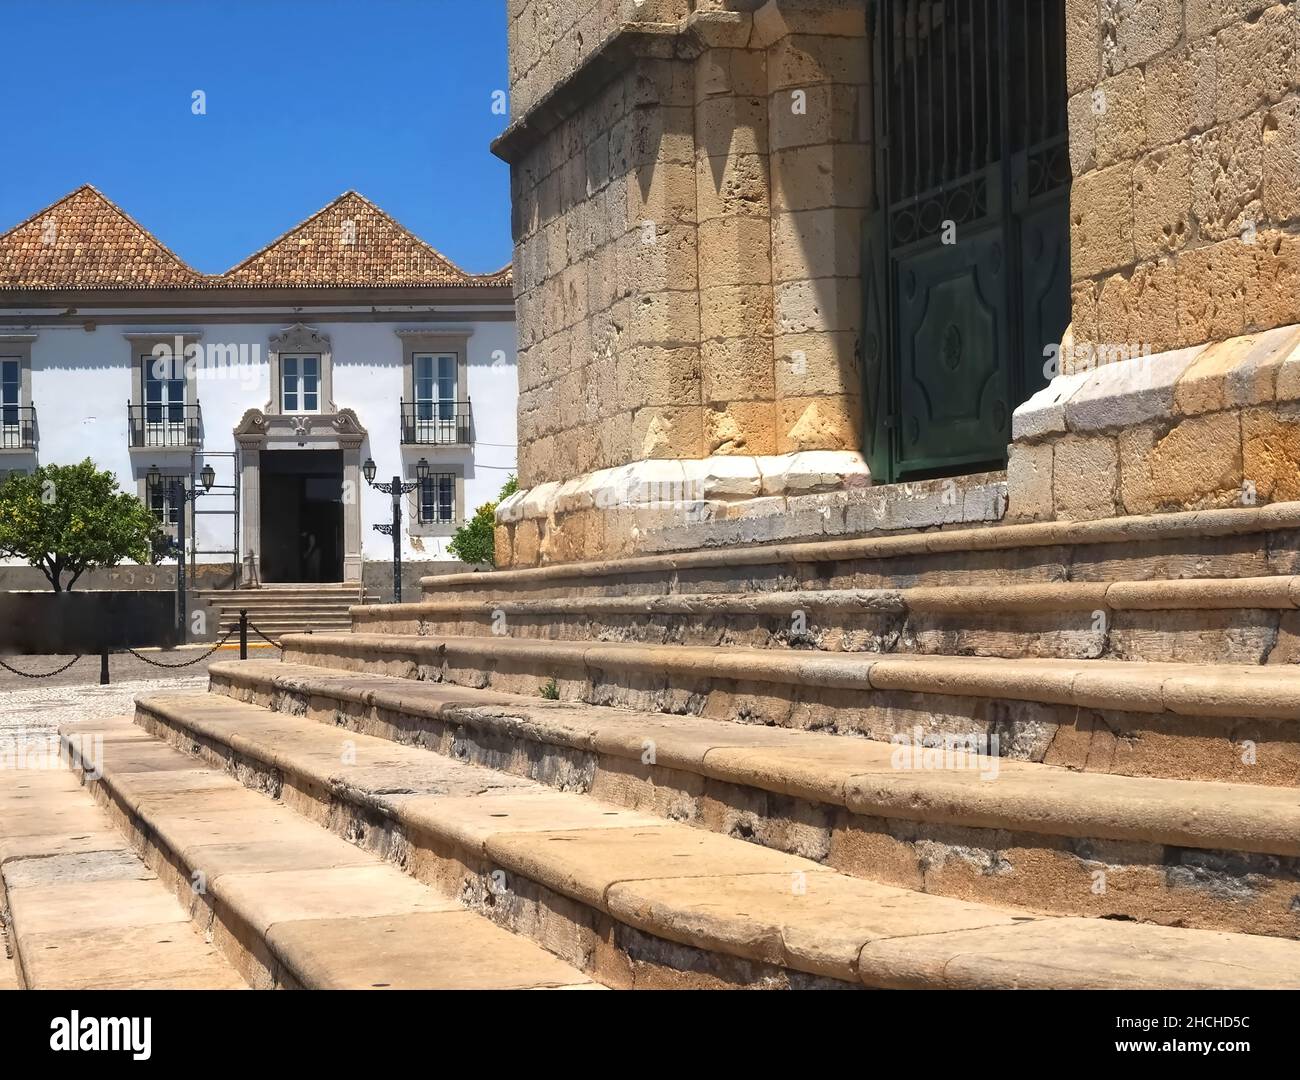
504 276
84 241
349 242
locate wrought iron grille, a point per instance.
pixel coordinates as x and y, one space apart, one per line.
437 503
165 425
966 252
946 66
18 427
437 423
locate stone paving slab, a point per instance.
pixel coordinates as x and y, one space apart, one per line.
85 912
332 914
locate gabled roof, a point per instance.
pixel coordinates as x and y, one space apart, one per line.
84 241
350 242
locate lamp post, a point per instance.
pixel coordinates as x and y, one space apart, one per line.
179 495
394 529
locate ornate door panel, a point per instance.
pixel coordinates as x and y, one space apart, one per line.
953 385
967 259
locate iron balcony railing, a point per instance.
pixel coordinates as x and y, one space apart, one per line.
165 425
437 423
17 427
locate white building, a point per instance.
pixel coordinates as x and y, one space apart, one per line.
346 339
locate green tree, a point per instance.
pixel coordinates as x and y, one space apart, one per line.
67 519
475 541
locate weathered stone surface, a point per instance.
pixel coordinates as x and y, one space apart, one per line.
1044 413
1101 221
1270 445
1211 290
84 912
1196 463
1127 393
418 951
1084 476
1077 953
1162 201
1029 483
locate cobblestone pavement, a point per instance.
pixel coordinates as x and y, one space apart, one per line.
39 712
33 707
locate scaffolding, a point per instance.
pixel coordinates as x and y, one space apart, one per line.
221 501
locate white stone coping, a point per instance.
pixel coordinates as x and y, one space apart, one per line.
661 483
1252 369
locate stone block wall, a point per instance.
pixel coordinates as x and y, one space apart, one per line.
550 40
689 183
688 212
1185 143
1206 427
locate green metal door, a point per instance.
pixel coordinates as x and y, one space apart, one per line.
966 279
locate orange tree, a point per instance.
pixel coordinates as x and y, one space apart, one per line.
67 519
474 542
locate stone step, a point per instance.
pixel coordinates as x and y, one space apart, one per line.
1194 620
291 623
1219 856
256 599
643 902
1179 721
82 910
343 606
285 614
1234 543
288 903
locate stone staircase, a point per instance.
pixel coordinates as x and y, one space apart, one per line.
286 609
1056 755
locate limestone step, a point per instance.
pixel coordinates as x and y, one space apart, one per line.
1211 855
1197 620
1233 543
290 624
288 903
1180 721
82 911
285 611
643 902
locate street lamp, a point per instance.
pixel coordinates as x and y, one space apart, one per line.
178 495
394 529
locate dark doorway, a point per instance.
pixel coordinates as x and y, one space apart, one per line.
302 515
967 270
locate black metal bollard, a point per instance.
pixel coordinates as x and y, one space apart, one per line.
103 668
243 633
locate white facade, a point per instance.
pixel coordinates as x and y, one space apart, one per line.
84 371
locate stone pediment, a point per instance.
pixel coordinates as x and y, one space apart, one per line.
319 431
300 338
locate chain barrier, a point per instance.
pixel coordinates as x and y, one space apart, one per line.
184 663
140 656
264 637
41 675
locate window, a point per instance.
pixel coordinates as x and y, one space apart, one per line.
166 510
164 396
435 386
163 409
11 391
300 384
438 499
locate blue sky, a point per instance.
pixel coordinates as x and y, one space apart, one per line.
305 100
